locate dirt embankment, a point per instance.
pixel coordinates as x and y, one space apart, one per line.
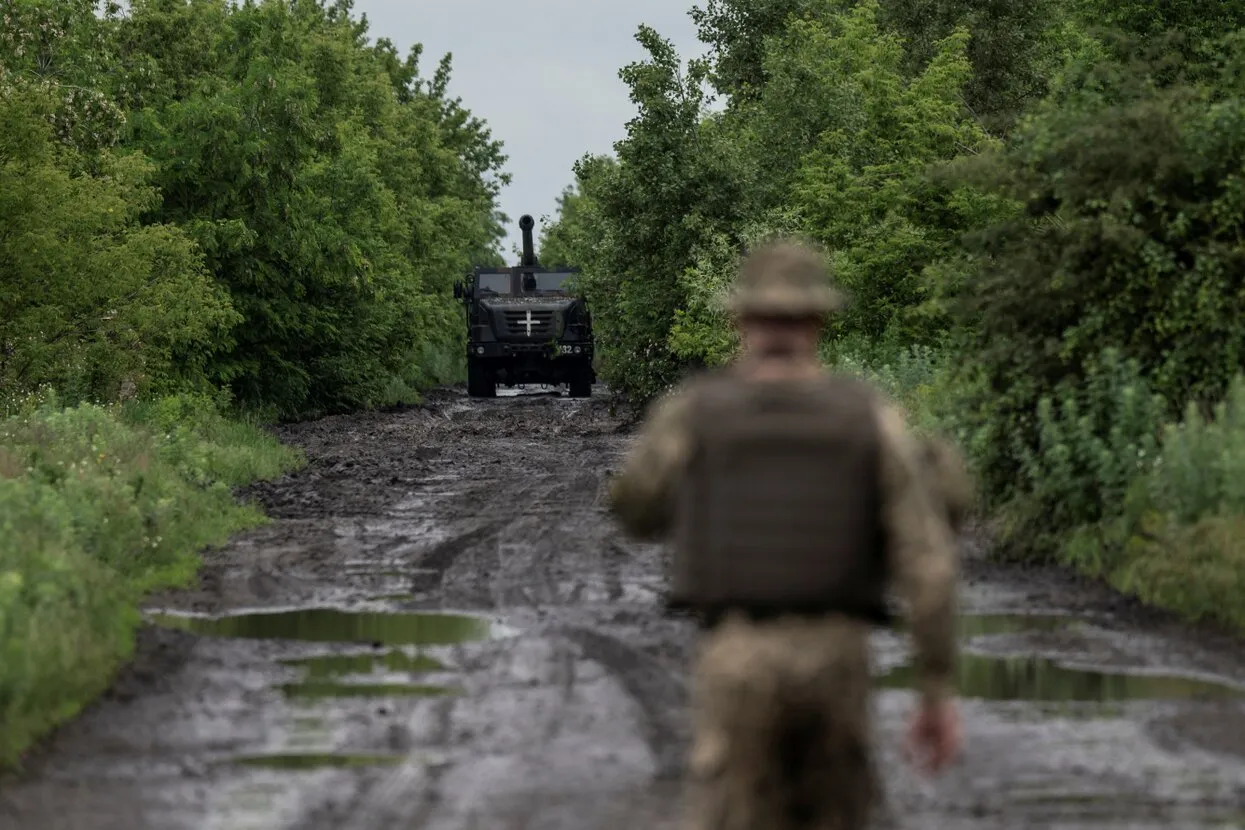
443 629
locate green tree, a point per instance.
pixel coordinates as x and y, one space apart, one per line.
648 213
1013 48
335 192
568 237
736 31
91 298
860 185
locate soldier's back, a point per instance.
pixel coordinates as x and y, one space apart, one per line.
779 509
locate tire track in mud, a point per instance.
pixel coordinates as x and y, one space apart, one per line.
575 717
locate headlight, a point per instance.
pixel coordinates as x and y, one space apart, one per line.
479 350
578 350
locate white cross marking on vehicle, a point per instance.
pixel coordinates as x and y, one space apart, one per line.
529 322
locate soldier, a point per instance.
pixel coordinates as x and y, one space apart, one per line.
795 499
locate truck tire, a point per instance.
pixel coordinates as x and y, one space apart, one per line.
581 385
480 381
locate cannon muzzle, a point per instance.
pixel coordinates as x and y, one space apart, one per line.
526 223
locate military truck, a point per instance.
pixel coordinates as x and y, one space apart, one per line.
525 326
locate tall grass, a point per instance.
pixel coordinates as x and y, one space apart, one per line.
99 505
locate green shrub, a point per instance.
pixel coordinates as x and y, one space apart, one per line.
97 506
1160 520
1196 570
1094 441
1201 470
1127 239
914 378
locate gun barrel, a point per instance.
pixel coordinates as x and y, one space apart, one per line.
526 223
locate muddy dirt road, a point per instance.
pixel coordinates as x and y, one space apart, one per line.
441 629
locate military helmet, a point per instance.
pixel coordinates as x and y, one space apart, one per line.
784 279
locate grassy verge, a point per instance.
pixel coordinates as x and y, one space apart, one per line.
99 505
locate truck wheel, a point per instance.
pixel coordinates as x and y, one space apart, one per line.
480 382
581 386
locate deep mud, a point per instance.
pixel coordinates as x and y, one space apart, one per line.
562 703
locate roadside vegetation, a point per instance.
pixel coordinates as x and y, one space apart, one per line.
1035 209
212 216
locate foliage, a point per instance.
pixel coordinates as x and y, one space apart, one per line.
861 187
336 192
736 31
205 208
835 146
98 505
1173 539
1096 438
563 239
90 297
1126 240
248 195
648 211
1012 48
913 378
1139 26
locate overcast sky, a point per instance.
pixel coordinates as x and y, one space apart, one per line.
542 73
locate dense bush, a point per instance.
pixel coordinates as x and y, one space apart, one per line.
1126 240
97 506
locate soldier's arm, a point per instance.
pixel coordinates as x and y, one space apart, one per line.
642 494
923 556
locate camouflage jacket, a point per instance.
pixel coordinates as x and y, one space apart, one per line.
920 541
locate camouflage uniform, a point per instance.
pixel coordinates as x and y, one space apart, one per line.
781 706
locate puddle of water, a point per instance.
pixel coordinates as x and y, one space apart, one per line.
328 625
988 625
320 689
335 665
313 761
1041 679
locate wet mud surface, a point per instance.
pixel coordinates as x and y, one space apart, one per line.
442 629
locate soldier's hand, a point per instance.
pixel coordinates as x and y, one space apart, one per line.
934 737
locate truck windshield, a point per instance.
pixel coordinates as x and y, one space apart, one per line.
555 281
495 283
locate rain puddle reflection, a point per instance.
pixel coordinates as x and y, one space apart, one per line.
335 665
328 676
321 689
315 761
329 625
1043 680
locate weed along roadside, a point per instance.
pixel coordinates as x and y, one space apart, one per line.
98 507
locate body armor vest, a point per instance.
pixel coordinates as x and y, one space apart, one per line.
780 508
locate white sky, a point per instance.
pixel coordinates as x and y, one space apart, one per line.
542 73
